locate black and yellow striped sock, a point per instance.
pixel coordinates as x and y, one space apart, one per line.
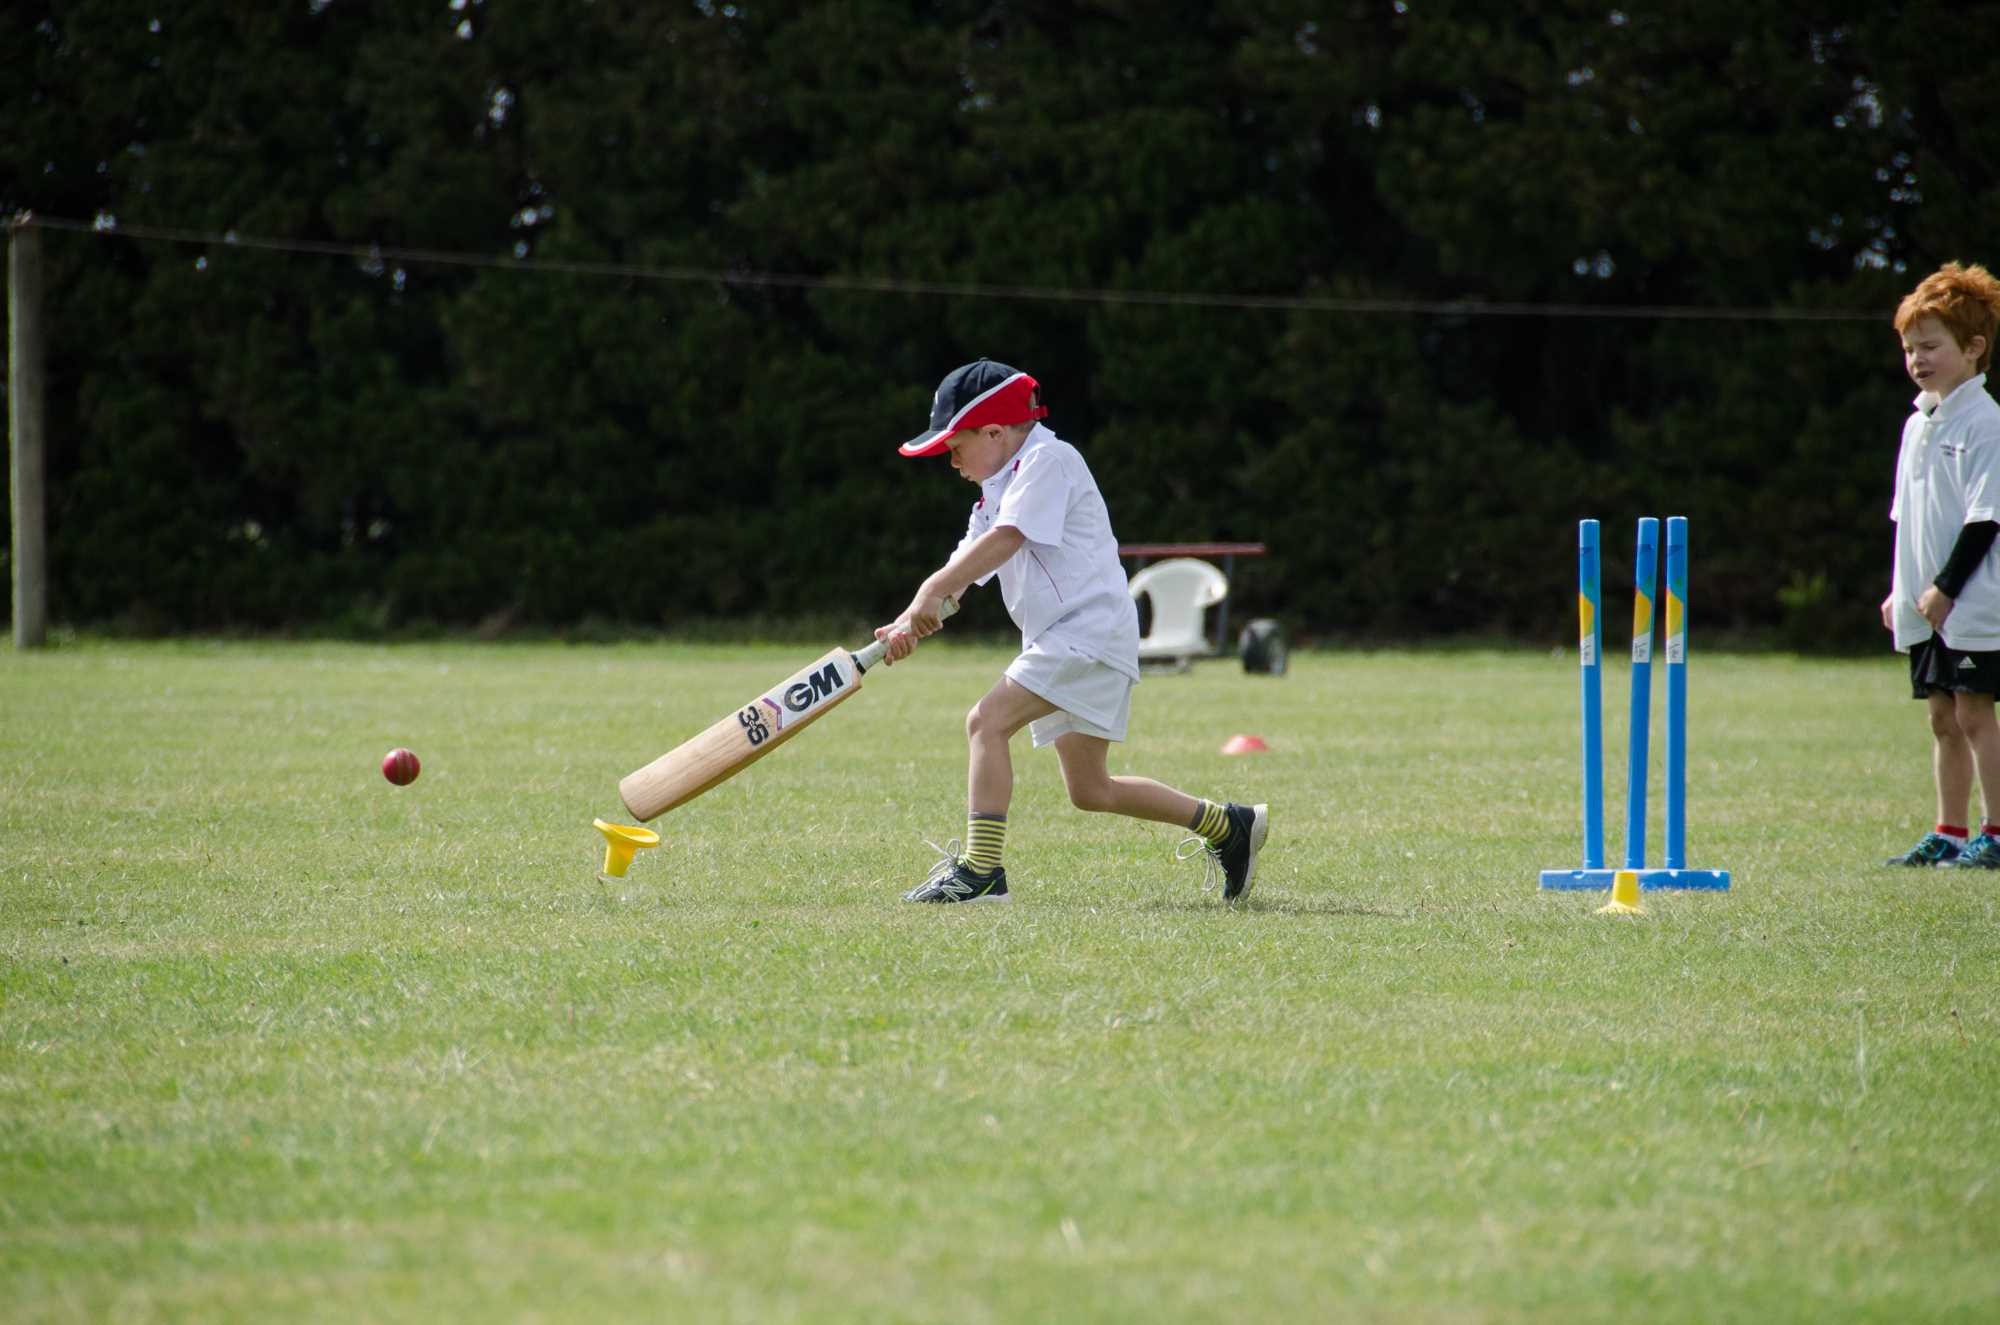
1210 821
985 839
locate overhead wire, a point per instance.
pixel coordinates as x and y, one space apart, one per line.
387 254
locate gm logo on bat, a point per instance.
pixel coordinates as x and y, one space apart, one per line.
800 696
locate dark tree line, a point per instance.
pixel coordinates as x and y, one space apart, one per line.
243 437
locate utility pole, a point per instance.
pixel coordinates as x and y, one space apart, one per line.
26 434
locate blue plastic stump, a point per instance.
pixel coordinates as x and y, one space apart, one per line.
1674 874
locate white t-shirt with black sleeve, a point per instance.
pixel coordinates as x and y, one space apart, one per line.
1947 476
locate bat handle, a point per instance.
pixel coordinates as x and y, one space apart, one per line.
867 656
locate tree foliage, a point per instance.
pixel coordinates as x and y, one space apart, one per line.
1479 237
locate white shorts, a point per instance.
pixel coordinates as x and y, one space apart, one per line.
1089 696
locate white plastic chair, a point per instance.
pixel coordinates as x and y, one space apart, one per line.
1182 590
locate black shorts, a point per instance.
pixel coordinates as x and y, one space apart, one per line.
1937 668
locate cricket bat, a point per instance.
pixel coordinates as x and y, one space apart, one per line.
751 732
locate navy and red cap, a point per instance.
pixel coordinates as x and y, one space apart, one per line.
980 393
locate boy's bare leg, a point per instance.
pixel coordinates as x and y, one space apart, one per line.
1007 708
975 874
1951 756
1002 711
1980 733
1091 786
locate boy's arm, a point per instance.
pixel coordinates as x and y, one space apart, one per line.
986 554
1975 540
1981 476
973 563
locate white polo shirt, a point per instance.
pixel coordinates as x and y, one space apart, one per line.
1066 584
1947 476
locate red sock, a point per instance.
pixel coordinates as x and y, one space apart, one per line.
1952 830
1989 830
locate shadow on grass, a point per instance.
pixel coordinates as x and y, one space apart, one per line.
1276 904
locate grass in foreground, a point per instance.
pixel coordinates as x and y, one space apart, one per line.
281 1041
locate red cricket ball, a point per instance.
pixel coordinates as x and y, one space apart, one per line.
400 766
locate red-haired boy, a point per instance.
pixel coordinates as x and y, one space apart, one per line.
1944 599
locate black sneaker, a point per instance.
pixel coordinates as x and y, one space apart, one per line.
1249 825
1935 849
953 880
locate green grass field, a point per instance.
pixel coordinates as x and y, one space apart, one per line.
280 1041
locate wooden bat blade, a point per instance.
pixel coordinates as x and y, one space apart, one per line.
742 738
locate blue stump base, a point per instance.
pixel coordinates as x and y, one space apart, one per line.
1650 880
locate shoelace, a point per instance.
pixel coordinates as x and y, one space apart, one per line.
947 863
947 855
1211 875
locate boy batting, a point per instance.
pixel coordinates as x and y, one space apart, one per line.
1042 527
